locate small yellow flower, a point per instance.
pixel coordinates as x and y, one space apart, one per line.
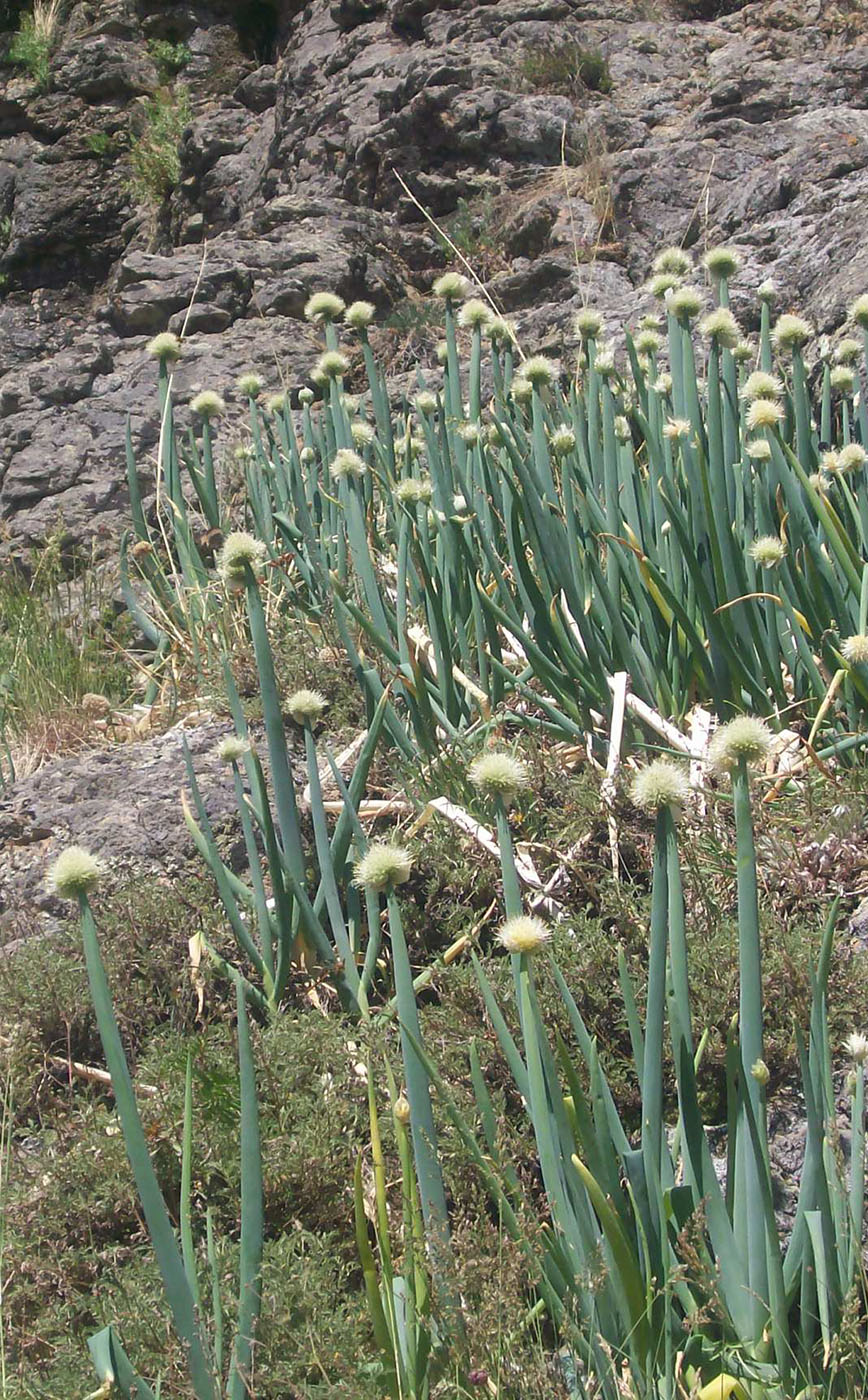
524 933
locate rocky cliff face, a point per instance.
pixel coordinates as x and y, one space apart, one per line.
752 126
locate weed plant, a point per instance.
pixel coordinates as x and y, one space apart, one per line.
34 40
154 158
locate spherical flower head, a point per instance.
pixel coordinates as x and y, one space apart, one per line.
475 314
674 261
791 332
685 303
767 291
857 1047
523 933
401 1111
276 403
662 283
442 352
497 774
676 428
240 551
451 286
383 866
760 1072
346 463
768 551
662 385
604 362
588 323
764 413
722 327
852 457
743 352
563 440
661 784
521 389
855 649
208 404
426 403
842 379
758 450
307 456
362 433
647 342
744 738
414 490
859 311
762 385
500 331
332 364
306 396
164 347
539 371
469 433
323 307
819 482
847 351
721 263
306 706
75 872
232 749
359 315
249 384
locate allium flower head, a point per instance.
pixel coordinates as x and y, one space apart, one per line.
232 748
842 379
662 283
819 481
829 461
500 331
768 551
249 384
662 385
744 738
413 490
588 323
276 403
847 351
685 303
384 865
497 774
721 262
521 389
306 396
857 1047
648 342
563 440
401 1111
743 352
346 463
675 428
767 291
859 311
855 649
661 784
852 457
474 313
332 364
791 332
760 1072
323 307
240 551
75 872
674 261
164 347
469 433
539 371
307 456
762 385
442 352
622 428
604 362
523 933
360 314
306 706
451 286
426 403
721 325
758 450
362 433
764 413
208 404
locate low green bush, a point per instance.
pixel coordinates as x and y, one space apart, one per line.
155 161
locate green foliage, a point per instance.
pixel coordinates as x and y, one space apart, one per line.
34 40
154 157
170 57
100 143
565 68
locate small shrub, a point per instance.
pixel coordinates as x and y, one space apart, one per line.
568 68
170 58
99 143
34 39
154 157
